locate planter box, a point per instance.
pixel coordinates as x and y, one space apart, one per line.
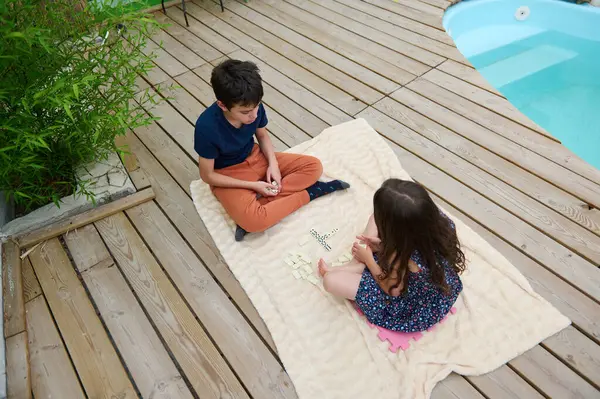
108 180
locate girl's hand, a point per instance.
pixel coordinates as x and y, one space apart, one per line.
361 253
373 242
265 189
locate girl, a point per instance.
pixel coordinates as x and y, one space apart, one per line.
412 258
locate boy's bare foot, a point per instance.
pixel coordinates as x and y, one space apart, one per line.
323 268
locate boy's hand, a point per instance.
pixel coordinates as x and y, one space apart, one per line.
265 189
274 175
373 242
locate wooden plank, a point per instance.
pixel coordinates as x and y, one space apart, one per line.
147 360
214 38
197 87
173 158
498 186
399 20
31 286
349 67
395 43
191 41
353 89
141 84
178 206
12 289
542 191
468 74
179 128
512 131
544 145
155 76
325 96
258 369
128 158
216 62
181 100
455 387
140 179
522 156
544 249
504 383
495 103
164 60
578 351
294 112
95 359
207 371
394 31
279 145
438 184
168 4
52 374
421 6
340 35
299 94
284 130
435 21
180 52
344 48
86 248
443 4
551 376
18 377
84 218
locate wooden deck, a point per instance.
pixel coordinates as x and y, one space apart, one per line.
141 304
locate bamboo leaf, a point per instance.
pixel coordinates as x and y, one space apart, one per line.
67 109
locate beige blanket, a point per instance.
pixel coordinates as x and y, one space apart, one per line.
326 347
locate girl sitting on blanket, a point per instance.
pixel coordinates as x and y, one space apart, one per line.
404 276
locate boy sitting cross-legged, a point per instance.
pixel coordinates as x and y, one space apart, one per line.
257 186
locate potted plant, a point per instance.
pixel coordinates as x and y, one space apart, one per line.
66 92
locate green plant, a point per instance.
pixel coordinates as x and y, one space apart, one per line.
68 80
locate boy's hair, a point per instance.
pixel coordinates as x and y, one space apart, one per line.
237 83
408 220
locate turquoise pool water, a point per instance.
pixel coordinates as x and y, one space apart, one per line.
544 57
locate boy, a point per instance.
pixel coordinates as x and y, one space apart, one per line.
256 186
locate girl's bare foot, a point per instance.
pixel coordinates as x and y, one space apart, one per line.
323 268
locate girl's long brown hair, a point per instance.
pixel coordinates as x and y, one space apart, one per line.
408 220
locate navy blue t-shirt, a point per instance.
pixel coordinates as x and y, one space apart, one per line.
216 138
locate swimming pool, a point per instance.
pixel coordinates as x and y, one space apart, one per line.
544 57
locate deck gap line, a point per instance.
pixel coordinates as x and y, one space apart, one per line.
329 48
303 51
506 159
147 315
529 195
280 71
580 374
97 310
367 38
187 304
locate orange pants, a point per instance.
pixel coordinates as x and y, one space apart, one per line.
298 172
